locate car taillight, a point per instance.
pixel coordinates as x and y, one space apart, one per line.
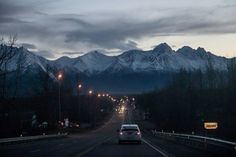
121 133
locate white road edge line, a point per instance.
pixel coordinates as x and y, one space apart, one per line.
153 147
92 147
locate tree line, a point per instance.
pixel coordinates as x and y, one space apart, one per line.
195 97
22 113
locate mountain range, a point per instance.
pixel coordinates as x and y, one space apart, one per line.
132 71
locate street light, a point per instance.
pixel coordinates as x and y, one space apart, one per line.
80 86
90 92
99 95
59 78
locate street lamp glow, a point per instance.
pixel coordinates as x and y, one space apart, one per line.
59 76
80 86
99 95
90 92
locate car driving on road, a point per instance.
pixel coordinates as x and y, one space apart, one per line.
129 133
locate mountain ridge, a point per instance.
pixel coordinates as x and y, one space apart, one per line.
161 58
130 72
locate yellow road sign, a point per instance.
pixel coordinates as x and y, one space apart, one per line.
210 125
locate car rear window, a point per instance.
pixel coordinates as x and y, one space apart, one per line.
129 129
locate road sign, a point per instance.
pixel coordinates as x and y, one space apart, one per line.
210 125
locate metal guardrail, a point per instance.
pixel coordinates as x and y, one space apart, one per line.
207 142
7 141
195 137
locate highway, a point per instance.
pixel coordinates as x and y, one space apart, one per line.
101 143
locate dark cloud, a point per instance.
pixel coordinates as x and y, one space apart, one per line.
45 53
67 31
72 53
28 46
8 8
112 34
10 20
72 20
130 45
115 34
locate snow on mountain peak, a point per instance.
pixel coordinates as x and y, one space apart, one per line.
160 58
162 48
185 49
92 53
93 62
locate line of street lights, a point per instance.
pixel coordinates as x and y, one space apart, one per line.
90 92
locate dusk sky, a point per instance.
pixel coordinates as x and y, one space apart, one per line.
53 28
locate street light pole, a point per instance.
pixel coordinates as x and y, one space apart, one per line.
79 110
59 102
59 77
92 114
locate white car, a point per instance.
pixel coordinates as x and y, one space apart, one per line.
129 133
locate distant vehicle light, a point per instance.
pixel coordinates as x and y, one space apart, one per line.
138 133
121 133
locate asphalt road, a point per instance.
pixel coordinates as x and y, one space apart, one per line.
100 143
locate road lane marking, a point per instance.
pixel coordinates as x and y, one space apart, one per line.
155 148
35 151
92 147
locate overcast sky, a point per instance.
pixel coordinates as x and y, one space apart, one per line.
54 28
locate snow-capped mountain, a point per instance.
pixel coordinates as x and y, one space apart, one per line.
22 57
161 58
130 72
93 62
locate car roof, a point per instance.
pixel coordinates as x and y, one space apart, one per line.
127 125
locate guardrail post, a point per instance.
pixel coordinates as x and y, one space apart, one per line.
205 143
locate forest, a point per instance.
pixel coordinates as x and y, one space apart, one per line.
49 102
192 98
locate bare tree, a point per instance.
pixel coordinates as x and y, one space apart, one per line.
6 54
6 50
